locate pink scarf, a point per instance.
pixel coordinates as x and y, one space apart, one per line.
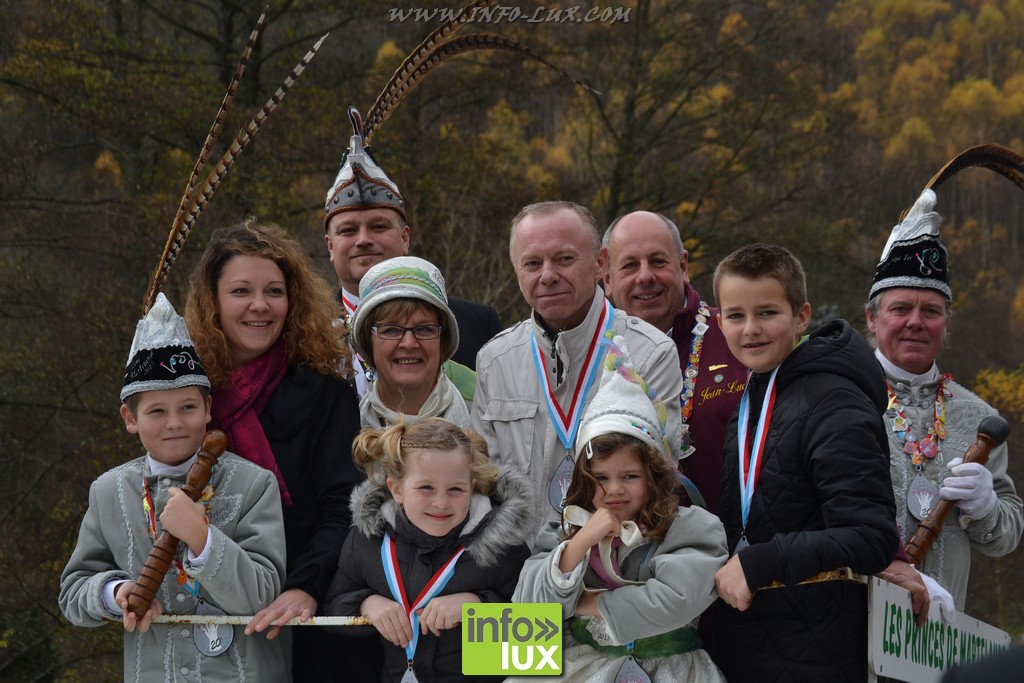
236 409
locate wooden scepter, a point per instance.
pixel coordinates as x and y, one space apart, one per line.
215 442
992 432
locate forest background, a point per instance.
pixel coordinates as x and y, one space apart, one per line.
808 123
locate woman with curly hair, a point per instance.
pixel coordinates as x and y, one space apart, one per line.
262 321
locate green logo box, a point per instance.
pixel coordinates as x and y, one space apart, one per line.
506 638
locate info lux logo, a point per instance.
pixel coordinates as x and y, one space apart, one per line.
501 639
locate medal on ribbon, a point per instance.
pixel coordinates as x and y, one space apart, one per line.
389 558
751 456
567 423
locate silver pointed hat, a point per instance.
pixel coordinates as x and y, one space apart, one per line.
361 183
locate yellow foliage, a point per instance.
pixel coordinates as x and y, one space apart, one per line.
1003 390
388 54
915 135
1017 309
106 163
733 26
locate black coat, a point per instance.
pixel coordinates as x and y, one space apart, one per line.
496 548
824 500
478 323
310 423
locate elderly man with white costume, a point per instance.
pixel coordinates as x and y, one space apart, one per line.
933 420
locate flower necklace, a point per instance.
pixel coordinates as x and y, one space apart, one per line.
920 450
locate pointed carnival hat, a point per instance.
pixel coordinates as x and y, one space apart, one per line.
404 277
914 255
162 354
623 404
361 183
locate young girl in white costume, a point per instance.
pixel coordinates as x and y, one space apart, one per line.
433 508
632 570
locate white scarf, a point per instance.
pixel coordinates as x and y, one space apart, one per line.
444 401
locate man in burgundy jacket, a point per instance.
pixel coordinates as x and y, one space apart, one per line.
647 277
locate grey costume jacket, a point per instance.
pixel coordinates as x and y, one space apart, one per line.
242 574
949 561
494 535
679 584
510 409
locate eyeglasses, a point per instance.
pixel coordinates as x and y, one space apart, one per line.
397 332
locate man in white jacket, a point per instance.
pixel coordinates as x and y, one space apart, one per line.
535 379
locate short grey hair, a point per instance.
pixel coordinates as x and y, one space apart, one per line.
874 305
673 230
548 208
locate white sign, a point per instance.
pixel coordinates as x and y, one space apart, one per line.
897 648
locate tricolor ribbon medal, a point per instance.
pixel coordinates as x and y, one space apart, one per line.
567 423
751 459
350 307
389 558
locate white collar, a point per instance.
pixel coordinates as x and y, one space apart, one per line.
900 375
156 467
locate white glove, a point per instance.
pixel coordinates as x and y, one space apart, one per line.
971 485
941 597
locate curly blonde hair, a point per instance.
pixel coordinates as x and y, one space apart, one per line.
308 332
662 499
386 454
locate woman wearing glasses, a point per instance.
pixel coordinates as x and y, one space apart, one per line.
404 330
262 322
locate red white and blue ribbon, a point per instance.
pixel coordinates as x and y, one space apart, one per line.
389 557
752 459
567 424
350 306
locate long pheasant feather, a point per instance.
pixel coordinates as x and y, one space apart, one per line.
218 122
995 157
202 194
457 46
418 56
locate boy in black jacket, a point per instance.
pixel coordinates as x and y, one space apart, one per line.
805 486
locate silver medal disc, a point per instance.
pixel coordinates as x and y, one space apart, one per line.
559 486
922 497
212 639
631 672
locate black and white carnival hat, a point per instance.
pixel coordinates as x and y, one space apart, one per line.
162 355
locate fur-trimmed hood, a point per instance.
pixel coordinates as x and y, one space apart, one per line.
495 523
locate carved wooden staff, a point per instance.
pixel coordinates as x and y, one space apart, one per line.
992 431
160 557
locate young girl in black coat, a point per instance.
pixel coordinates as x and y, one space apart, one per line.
432 507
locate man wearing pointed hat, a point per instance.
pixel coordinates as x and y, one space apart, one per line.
231 555
365 223
647 276
535 379
932 420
